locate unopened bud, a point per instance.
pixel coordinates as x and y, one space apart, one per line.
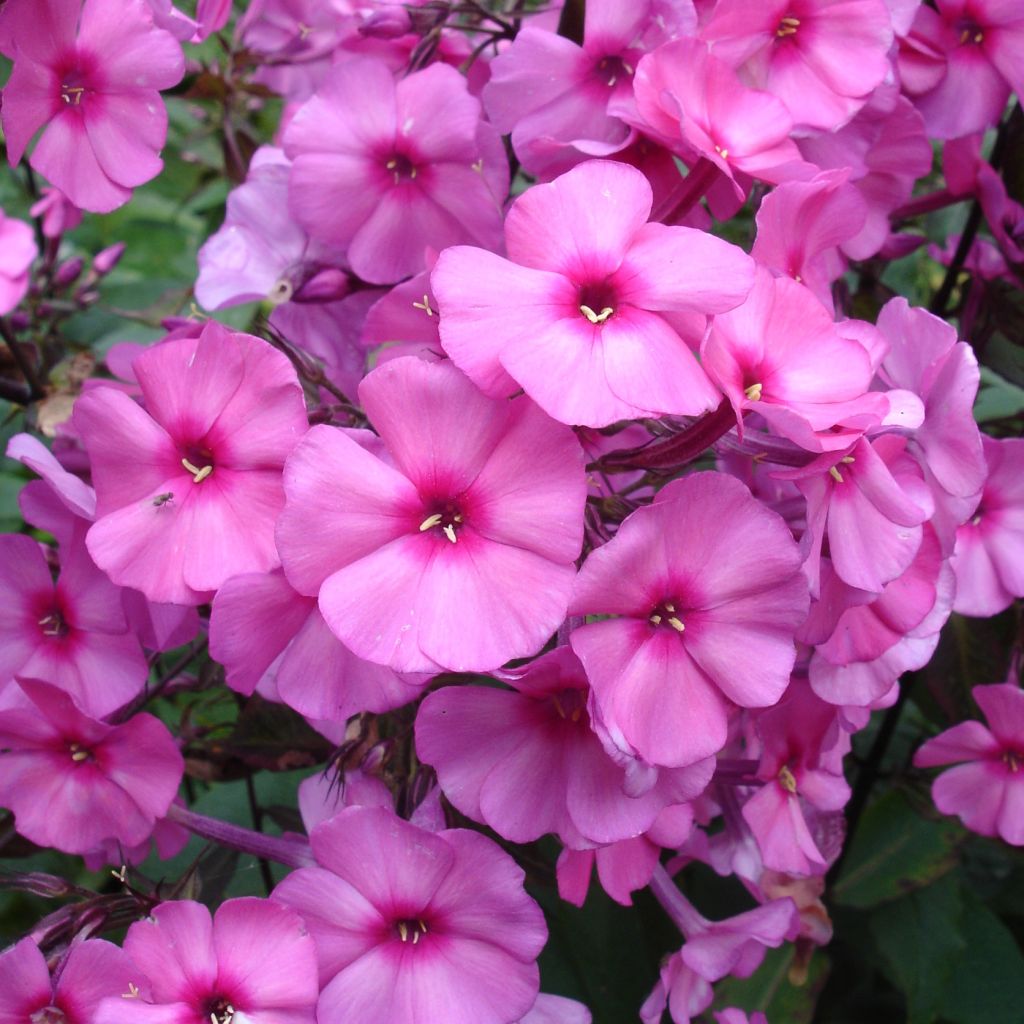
68 272
327 285
105 261
19 321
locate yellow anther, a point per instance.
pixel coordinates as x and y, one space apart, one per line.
597 318
669 607
449 532
791 22
558 706
304 30
754 392
431 521
676 624
72 94
787 779
575 716
391 164
847 459
1012 760
835 474
478 166
979 37
976 520
723 153
457 518
132 993
80 755
403 931
424 305
965 35
655 620
121 873
415 937
198 475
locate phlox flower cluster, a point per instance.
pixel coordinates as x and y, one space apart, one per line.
562 489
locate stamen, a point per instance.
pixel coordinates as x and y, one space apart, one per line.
304 30
424 305
754 392
431 521
835 474
965 35
676 624
723 153
78 754
72 94
1013 761
976 520
791 22
669 607
655 620
575 716
787 779
132 993
597 318
198 475
478 166
847 459
449 531
558 706
979 37
403 931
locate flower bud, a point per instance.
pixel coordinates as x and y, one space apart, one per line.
327 285
105 261
68 272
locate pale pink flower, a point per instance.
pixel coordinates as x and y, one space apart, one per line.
986 789
89 972
386 170
704 593
17 252
74 782
412 926
89 74
253 960
583 313
453 547
58 213
188 490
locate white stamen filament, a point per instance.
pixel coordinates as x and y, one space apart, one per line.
198 475
431 521
449 532
597 318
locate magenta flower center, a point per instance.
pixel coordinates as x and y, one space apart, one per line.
787 780
446 519
53 623
598 301
410 930
787 27
571 705
665 615
79 754
48 1015
1014 760
613 69
77 79
197 460
401 168
970 32
219 1011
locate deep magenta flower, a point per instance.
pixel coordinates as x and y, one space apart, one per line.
706 593
188 489
386 169
71 632
986 789
989 556
89 972
583 313
74 782
253 960
526 761
89 74
452 547
413 926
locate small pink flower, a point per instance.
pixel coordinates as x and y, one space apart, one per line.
17 252
253 961
583 314
452 543
704 594
189 489
413 926
74 782
90 971
89 74
986 789
388 169
58 213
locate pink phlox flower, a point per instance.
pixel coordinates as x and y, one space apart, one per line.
960 62
626 866
167 17
90 971
800 226
781 355
189 488
254 960
89 75
798 736
558 98
386 169
63 505
925 357
734 1016
595 291
167 840
260 253
261 626
822 58
413 926
989 555
886 149
556 1010
58 213
870 503
986 788
405 320
457 548
74 782
706 594
694 101
17 252
526 762
326 794
806 893
72 632
864 642
680 990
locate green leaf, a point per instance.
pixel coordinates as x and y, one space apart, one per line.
988 984
921 942
998 399
771 990
895 851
